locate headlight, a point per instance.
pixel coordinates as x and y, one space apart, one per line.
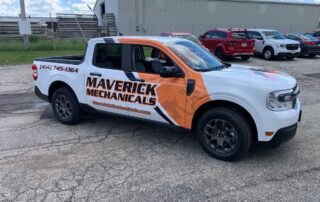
281 45
282 100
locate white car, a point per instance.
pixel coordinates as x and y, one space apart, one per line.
175 82
272 43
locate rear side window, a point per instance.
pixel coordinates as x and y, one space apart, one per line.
216 35
240 35
108 56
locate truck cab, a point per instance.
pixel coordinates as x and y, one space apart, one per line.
175 82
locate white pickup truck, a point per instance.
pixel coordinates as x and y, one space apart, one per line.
272 43
175 82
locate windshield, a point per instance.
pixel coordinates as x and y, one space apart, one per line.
189 37
240 35
195 56
273 35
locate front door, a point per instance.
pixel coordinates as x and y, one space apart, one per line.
105 79
156 98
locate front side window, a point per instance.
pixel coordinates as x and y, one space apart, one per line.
195 56
108 56
255 35
240 35
147 59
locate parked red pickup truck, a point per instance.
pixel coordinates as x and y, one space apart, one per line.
229 42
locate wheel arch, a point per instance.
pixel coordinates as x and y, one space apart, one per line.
267 46
57 85
220 103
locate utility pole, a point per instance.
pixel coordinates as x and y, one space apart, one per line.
23 17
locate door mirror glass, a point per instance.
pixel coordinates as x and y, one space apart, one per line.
170 71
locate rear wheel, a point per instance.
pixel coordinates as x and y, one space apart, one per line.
224 133
312 55
268 53
245 57
219 53
65 106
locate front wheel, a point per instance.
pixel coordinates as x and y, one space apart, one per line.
268 53
224 133
65 106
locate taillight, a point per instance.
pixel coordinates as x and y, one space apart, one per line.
232 43
35 72
310 43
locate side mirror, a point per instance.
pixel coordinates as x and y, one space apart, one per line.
226 64
170 72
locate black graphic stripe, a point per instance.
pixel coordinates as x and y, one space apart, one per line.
163 115
109 40
131 77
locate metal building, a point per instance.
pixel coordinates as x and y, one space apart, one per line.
151 17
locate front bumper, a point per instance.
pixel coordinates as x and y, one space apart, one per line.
315 51
282 135
288 54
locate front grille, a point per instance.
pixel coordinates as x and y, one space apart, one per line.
292 46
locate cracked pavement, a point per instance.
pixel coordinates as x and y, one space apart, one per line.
107 158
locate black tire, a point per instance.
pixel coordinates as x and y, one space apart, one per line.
268 53
290 58
219 53
65 106
237 127
245 57
312 55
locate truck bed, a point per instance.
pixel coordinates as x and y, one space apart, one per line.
70 59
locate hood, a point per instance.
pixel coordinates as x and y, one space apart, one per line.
253 77
284 41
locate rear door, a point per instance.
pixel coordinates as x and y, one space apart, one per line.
155 98
105 79
259 41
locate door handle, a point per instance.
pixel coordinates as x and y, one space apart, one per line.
95 74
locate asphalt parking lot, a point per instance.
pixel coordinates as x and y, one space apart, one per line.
108 158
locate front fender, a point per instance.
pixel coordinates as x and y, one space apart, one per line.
241 102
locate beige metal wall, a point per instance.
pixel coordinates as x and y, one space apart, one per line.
151 17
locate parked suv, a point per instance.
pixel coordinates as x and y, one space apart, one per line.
272 43
309 45
228 42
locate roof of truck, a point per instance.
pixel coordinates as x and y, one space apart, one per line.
151 38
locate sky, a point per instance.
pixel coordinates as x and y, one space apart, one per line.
42 8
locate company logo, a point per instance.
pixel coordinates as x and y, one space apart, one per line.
125 91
